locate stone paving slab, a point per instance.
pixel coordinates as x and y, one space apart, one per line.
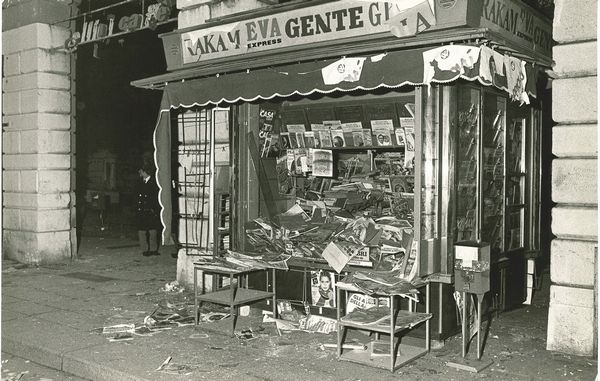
52 299
14 367
41 297
55 337
6 300
11 315
74 320
92 368
30 308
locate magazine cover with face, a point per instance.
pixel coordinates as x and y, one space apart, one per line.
323 288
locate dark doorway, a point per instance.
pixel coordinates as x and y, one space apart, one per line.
114 126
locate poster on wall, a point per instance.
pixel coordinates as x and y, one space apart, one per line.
322 288
269 124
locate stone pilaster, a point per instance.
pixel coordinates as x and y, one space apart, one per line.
573 270
36 149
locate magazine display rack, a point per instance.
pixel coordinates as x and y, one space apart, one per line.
493 171
467 166
515 187
390 320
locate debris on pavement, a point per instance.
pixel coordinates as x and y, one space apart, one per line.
14 377
119 328
143 330
172 368
166 315
213 316
121 337
360 347
125 316
318 324
162 320
281 325
199 336
287 312
311 323
173 287
245 334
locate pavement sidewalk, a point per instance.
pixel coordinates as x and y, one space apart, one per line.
50 313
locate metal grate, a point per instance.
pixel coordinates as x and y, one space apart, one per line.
194 152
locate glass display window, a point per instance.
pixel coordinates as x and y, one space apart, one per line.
341 179
466 127
516 204
493 155
492 176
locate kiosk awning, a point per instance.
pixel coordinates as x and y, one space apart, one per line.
393 70
386 70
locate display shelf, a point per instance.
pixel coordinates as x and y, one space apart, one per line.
232 295
395 324
404 355
404 320
242 296
361 148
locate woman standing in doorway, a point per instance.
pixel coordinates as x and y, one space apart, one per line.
147 213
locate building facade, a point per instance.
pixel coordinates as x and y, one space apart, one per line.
39 149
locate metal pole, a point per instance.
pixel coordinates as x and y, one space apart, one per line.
196 295
427 323
392 333
340 327
464 325
274 287
479 300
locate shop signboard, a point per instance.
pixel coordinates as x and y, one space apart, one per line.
519 24
297 27
325 22
335 23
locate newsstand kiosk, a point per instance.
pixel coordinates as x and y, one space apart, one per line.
355 135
